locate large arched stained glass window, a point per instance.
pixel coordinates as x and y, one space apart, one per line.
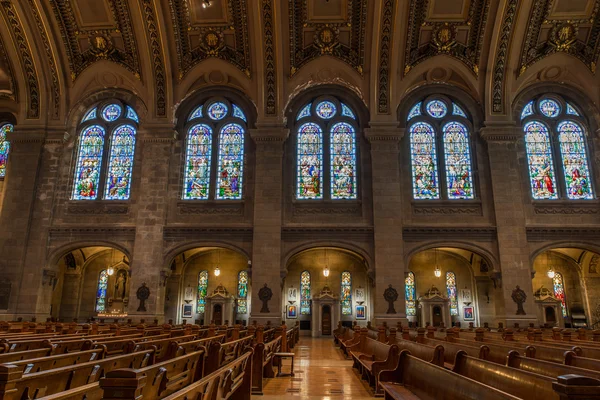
541 164
305 293
411 295
197 163
89 163
101 291
343 161
310 162
424 161
574 159
4 147
451 289
346 293
559 291
242 293
459 181
202 291
120 164
231 162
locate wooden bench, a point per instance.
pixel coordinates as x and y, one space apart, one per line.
372 357
220 354
161 346
450 350
547 368
574 360
58 361
262 363
24 355
432 354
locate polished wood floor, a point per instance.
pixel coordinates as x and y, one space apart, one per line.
321 373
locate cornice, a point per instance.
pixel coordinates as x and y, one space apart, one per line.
385 134
507 133
270 134
205 233
98 232
423 233
542 234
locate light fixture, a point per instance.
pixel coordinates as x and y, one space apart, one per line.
326 272
110 271
551 273
206 4
217 269
437 271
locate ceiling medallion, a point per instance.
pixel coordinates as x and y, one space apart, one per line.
444 37
564 35
101 46
212 42
326 38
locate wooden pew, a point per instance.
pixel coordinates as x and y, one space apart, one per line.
432 354
262 363
373 357
546 368
161 346
581 362
450 350
178 349
58 361
220 354
24 355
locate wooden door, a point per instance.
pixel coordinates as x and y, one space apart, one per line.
437 316
217 314
550 315
326 321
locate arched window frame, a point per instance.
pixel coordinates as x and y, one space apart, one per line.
199 115
558 286
346 292
242 293
305 284
101 294
93 117
410 287
451 286
5 128
569 111
344 114
455 112
203 277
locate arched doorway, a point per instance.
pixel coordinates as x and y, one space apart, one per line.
326 320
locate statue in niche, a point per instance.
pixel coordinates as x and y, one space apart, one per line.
519 297
390 295
265 294
121 284
143 293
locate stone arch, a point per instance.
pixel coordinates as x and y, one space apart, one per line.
178 249
343 245
58 253
490 258
549 246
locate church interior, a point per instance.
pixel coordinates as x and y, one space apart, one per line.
322 199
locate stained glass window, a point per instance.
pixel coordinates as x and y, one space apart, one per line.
305 112
346 294
111 112
310 162
202 291
411 295
574 159
217 111
451 289
415 111
197 163
131 114
437 109
457 110
242 305
305 293
559 291
550 108
541 165
527 110
458 161
4 147
231 162
101 291
89 162
238 113
347 112
326 109
90 115
424 161
343 161
571 110
120 163
197 113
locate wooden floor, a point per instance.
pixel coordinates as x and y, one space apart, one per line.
321 373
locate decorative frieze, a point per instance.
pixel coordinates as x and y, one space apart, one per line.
194 208
540 234
446 208
417 234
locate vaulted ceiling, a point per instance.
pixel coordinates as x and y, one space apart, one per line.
56 53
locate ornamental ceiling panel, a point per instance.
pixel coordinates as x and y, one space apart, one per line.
220 31
451 27
94 30
336 28
562 26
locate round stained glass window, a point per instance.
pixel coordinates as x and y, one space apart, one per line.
111 112
437 109
550 108
217 111
326 109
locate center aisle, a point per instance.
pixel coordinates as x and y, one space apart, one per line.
321 373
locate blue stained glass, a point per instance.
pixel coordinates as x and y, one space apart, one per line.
310 162
550 108
424 161
197 163
112 112
202 292
120 163
305 112
242 306
4 147
101 291
571 110
457 110
305 293
238 113
458 161
343 161
346 293
131 114
410 295
326 109
559 291
527 110
575 163
90 115
437 109
197 113
89 162
347 112
541 164
451 289
217 111
415 111
231 162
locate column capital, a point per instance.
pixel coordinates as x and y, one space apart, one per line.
269 134
501 133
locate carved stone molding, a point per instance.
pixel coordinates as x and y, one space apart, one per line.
157 57
97 208
567 208
417 234
205 233
388 135
501 133
7 66
300 210
269 134
446 208
385 48
540 234
269 58
193 208
100 233
357 232
502 49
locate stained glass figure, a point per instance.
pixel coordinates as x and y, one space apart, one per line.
197 163
305 293
326 109
415 111
541 164
4 147
411 295
346 293
437 109
458 111
238 113
101 292
574 159
111 112
89 162
347 112
458 161
196 114
132 115
202 291
231 162
424 161
571 110
305 112
527 110
217 111
451 289
92 114
559 291
549 108
242 305
343 161
120 163
310 162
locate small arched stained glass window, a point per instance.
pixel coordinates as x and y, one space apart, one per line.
112 112
305 293
343 161
197 113
242 302
451 289
305 112
231 162
559 291
92 114
571 110
459 179
415 111
101 291
132 115
326 109
346 293
541 164
424 161
89 162
437 109
4 147
458 111
310 162
411 295
575 162
550 108
120 163
527 110
202 291
347 112
217 111
238 113
197 163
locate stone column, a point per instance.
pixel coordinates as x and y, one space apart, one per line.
266 245
387 222
504 146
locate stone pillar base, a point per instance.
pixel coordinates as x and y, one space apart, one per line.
522 320
390 319
262 319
